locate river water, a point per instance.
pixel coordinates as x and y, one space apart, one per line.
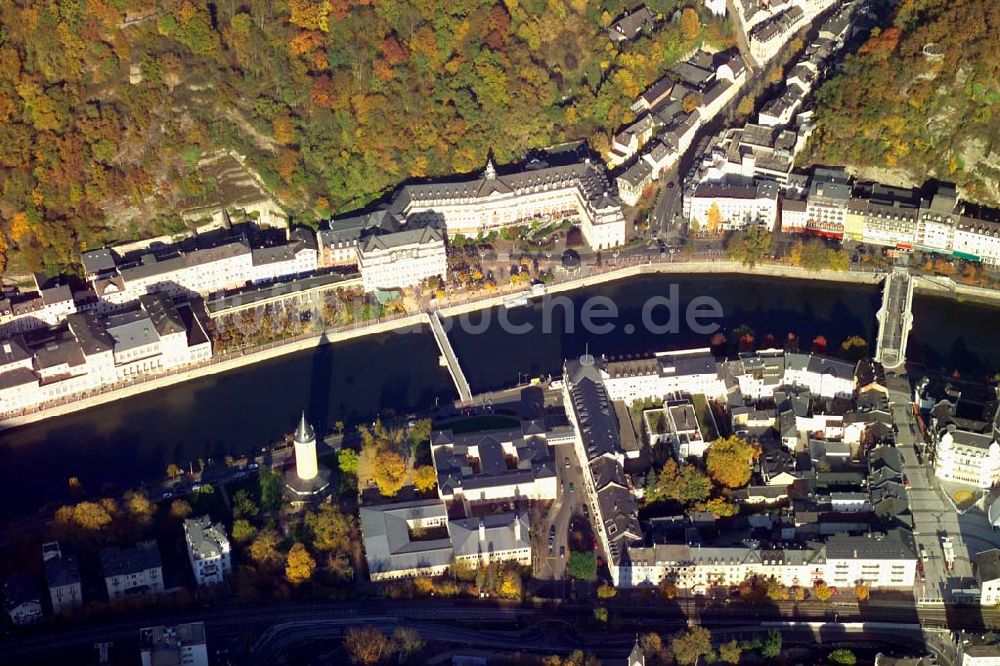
119 444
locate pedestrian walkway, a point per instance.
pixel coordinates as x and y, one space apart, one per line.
448 354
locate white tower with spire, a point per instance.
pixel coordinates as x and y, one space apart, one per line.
306 462
491 171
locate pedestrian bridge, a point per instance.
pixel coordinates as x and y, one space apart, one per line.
895 319
448 356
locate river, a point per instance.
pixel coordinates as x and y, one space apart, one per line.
118 444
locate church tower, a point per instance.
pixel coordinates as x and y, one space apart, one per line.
306 463
491 171
308 481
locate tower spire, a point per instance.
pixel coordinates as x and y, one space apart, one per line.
306 462
491 171
304 432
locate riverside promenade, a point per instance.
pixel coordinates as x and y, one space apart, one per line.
588 276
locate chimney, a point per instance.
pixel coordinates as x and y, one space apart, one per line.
482 530
517 527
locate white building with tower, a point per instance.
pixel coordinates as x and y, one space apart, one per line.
309 480
968 457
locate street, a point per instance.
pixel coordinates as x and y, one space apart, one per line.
549 564
934 514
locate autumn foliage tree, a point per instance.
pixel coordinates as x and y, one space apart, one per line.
367 645
299 565
822 591
729 461
425 478
389 472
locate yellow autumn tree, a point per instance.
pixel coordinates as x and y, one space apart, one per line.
713 218
690 25
729 461
425 478
310 14
300 565
822 591
389 472
19 227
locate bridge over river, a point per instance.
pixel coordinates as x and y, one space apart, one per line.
895 319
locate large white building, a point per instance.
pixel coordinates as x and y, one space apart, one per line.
887 561
725 207
968 457
977 240
697 371
215 261
391 549
92 352
495 465
598 441
208 550
536 192
48 305
491 538
826 205
403 258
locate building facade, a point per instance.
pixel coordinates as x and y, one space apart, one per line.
208 550
62 573
402 259
132 571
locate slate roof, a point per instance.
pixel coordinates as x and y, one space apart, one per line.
118 561
594 411
988 564
630 25
131 330
13 350
388 546
163 314
532 458
205 539
61 570
895 545
416 236
97 261
499 534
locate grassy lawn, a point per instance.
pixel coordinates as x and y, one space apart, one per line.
705 420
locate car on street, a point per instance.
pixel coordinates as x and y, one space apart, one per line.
566 462
572 488
562 551
552 531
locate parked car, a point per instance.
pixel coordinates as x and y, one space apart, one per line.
572 488
566 462
562 551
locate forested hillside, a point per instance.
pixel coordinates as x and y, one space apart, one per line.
332 101
923 96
